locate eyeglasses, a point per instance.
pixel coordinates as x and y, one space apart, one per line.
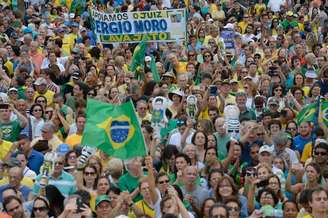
207 56
89 173
41 101
37 110
164 181
219 216
44 208
191 55
59 163
291 128
231 209
48 112
320 153
278 90
72 157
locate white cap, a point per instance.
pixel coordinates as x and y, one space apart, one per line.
266 148
147 58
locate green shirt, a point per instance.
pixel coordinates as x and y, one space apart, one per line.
221 145
129 183
11 130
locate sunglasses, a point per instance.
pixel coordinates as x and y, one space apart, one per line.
48 112
291 129
320 153
44 208
89 173
41 101
59 163
37 110
164 181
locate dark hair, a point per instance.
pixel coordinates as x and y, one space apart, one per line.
169 151
44 201
193 139
316 190
289 201
36 105
8 200
203 205
317 168
159 175
215 149
41 96
149 88
96 172
209 177
56 200
169 215
218 205
105 177
232 199
269 191
274 121
322 145
115 190
233 186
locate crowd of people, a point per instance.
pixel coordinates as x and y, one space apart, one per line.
229 143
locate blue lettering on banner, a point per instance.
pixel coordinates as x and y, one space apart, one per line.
150 25
113 27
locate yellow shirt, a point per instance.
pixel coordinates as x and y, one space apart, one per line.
27 181
10 67
145 208
49 96
181 68
259 8
68 43
5 147
243 25
73 140
307 152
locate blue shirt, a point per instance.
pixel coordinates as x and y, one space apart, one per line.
23 189
299 142
35 161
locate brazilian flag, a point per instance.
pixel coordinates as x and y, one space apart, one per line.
138 60
114 129
308 113
138 57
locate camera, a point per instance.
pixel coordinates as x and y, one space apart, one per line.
85 154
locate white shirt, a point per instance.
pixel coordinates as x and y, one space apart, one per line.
275 5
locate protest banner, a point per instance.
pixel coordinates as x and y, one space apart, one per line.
161 26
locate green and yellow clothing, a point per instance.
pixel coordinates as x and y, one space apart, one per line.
145 208
10 130
73 140
5 148
129 183
49 95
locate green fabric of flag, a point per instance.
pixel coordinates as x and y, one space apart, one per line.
153 69
114 129
308 113
78 6
138 58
